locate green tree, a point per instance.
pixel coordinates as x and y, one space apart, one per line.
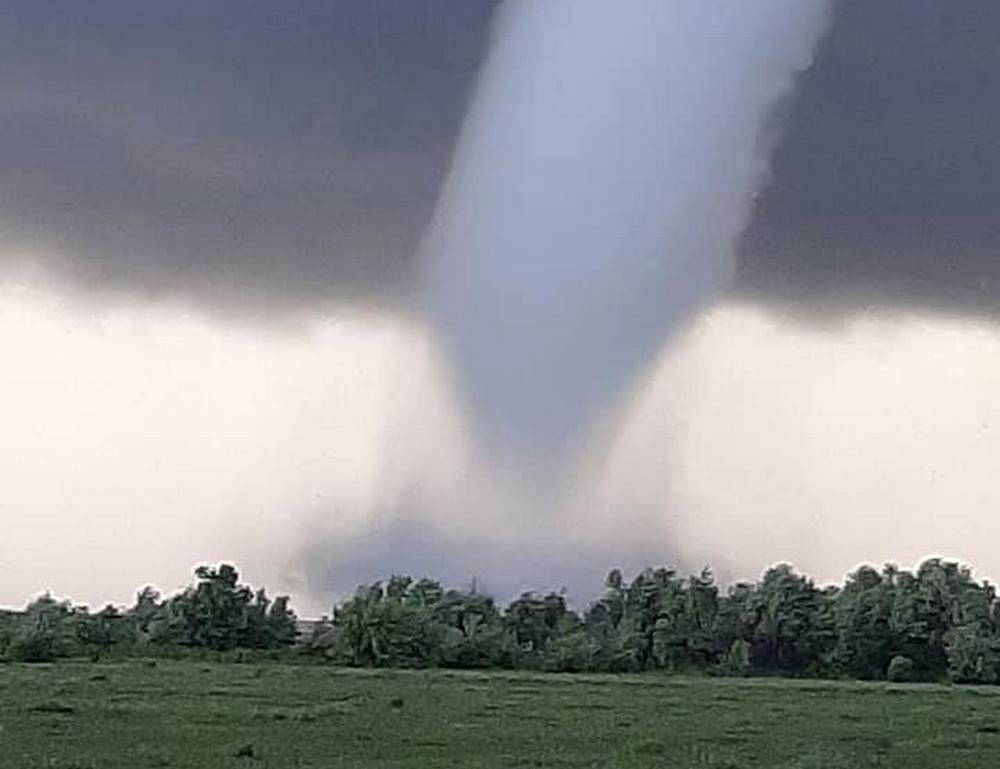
866 640
44 632
790 623
99 633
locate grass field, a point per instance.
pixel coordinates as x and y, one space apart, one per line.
191 715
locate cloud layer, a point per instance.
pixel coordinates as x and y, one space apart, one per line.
245 159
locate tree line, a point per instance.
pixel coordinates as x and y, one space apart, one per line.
931 624
216 613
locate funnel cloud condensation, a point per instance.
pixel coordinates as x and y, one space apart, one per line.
602 176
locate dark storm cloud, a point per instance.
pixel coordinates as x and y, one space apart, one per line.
886 186
230 150
292 152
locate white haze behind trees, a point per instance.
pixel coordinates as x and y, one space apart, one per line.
137 443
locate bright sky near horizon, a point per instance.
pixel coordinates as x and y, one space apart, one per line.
138 442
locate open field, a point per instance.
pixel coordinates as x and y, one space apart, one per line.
193 715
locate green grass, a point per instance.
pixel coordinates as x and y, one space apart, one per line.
193 715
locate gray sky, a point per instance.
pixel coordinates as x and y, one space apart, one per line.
886 187
235 152
250 154
168 167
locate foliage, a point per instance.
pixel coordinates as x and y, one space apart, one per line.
215 613
900 670
416 624
219 613
100 633
938 618
44 633
933 624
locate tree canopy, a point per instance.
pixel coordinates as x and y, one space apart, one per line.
934 623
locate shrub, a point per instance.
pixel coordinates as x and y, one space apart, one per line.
973 655
571 654
33 644
900 670
736 661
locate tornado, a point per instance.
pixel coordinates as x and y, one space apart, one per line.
604 172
